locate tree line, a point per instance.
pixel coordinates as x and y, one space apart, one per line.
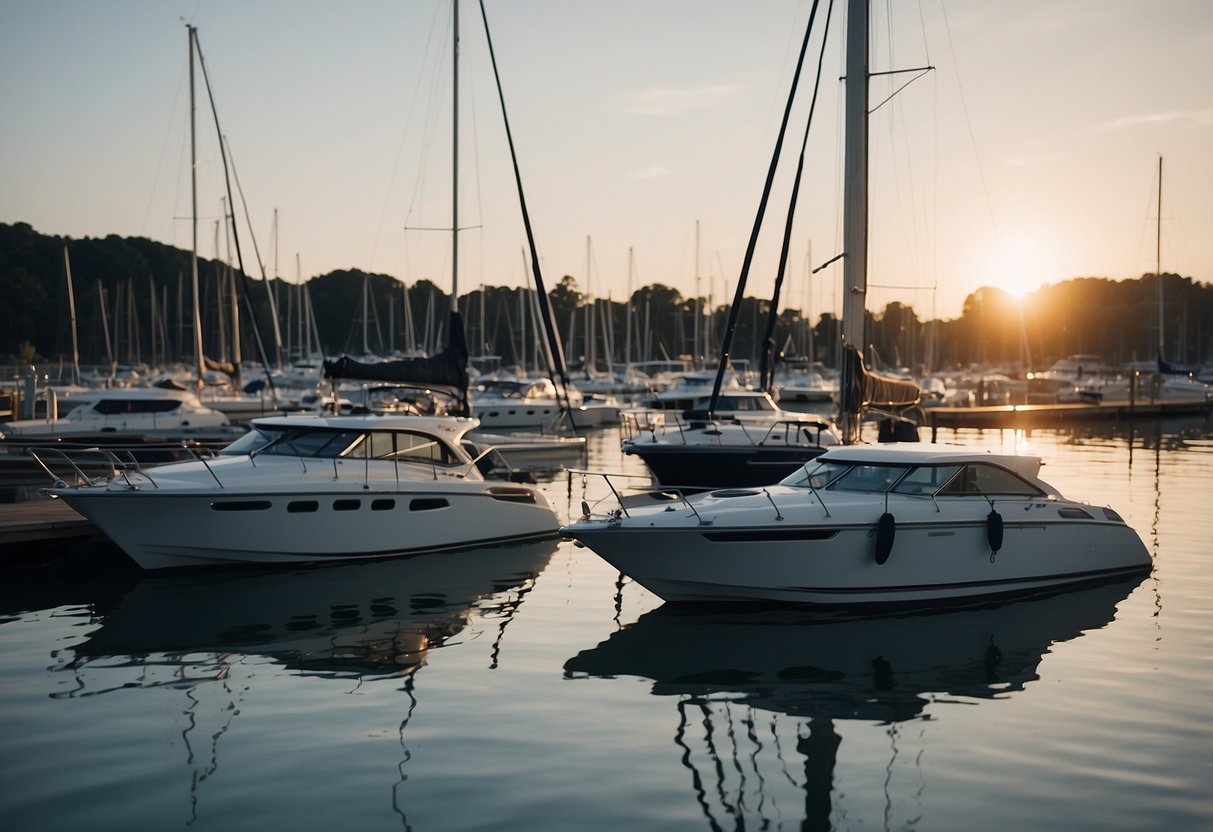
133 306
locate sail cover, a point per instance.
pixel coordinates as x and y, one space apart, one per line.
448 368
872 390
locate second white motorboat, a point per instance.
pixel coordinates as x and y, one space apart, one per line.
314 488
867 525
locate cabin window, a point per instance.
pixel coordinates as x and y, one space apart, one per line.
347 505
115 407
869 478
926 479
427 504
302 506
315 442
242 505
417 447
989 480
382 505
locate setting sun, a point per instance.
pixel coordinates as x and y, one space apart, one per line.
1018 264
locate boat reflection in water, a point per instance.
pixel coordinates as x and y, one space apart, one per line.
207 637
356 619
754 685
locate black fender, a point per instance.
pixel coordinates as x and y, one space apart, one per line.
886 530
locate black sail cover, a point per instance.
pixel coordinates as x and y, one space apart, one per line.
447 369
868 389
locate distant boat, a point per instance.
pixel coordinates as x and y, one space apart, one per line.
126 414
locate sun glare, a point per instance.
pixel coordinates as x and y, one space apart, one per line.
1019 264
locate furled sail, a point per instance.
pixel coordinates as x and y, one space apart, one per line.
445 369
872 390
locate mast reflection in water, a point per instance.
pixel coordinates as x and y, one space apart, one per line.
759 692
205 634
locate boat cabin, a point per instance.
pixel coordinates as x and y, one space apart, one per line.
933 475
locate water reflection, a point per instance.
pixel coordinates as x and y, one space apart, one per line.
759 693
208 634
365 619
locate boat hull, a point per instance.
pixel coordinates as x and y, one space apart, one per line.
169 530
935 555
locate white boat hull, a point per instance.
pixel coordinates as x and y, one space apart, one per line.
807 558
166 530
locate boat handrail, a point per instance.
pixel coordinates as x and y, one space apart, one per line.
623 509
121 462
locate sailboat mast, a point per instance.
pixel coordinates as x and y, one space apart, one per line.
198 355
855 204
71 304
455 158
855 188
1158 265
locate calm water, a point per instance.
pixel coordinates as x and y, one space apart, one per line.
532 688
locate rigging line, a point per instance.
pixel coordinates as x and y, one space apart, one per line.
478 168
408 119
731 325
248 220
924 70
968 122
241 289
552 333
172 120
768 347
437 93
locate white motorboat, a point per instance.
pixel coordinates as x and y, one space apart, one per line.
125 414
690 391
314 488
867 525
534 403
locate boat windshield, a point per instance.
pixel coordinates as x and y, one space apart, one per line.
256 439
847 476
815 475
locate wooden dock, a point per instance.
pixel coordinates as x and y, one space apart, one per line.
39 521
1024 416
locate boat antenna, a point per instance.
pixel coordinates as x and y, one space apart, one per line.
739 296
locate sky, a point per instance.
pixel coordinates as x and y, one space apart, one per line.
644 130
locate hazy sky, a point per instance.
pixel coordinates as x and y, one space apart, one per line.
1028 156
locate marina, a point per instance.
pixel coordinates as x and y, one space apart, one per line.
426 690
872 495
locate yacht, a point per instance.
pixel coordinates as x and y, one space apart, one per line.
306 489
534 403
867 525
126 414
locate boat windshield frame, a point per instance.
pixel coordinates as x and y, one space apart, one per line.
927 479
351 443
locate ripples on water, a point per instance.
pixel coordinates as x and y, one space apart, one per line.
534 688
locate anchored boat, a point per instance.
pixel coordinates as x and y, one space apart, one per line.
867 525
314 488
